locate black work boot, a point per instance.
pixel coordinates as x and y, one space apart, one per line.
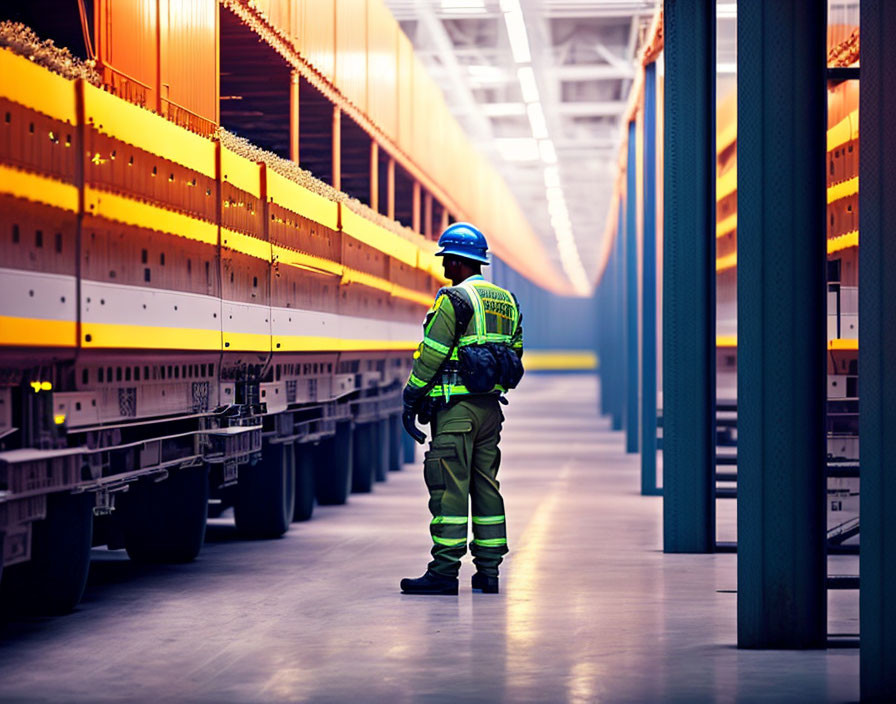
430 583
484 583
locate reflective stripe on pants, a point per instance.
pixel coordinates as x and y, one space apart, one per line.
460 468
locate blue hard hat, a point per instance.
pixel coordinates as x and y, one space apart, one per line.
463 240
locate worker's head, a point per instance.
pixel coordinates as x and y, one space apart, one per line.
463 249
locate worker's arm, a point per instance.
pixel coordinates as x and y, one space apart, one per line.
438 339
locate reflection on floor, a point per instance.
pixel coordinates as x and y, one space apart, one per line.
590 609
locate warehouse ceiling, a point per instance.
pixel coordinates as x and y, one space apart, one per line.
540 87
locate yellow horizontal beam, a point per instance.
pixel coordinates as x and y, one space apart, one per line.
727 136
411 295
353 276
240 172
141 128
33 86
246 342
37 332
843 189
307 343
726 226
378 237
844 131
726 341
117 208
729 261
37 188
850 239
105 335
117 336
726 184
246 244
559 360
300 260
291 195
843 344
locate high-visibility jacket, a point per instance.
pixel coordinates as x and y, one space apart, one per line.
496 318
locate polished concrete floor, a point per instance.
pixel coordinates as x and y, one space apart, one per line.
590 610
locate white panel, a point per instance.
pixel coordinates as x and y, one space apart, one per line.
832 326
849 300
849 327
135 305
246 318
33 294
836 386
274 395
297 322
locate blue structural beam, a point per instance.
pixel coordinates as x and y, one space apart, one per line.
631 296
781 334
619 324
612 341
877 349
689 388
648 286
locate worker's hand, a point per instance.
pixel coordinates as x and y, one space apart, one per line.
407 419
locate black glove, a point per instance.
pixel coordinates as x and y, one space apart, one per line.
410 426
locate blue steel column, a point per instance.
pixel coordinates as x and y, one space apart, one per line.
689 388
781 335
648 304
631 297
604 339
877 349
618 327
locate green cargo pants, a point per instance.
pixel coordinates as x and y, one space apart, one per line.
462 461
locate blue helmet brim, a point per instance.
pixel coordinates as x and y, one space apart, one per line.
482 259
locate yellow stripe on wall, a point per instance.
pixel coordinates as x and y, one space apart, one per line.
844 131
36 88
726 341
246 244
307 343
726 226
300 260
559 360
37 188
240 172
843 190
146 130
850 239
291 195
729 261
133 212
726 184
843 344
37 332
378 237
148 337
246 342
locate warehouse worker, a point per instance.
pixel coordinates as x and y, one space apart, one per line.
470 355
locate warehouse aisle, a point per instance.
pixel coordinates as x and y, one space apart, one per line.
590 609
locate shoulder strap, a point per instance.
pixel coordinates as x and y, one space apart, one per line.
463 311
519 313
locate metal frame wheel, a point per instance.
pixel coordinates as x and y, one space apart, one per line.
265 493
382 449
305 457
165 521
52 582
395 446
365 460
333 466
